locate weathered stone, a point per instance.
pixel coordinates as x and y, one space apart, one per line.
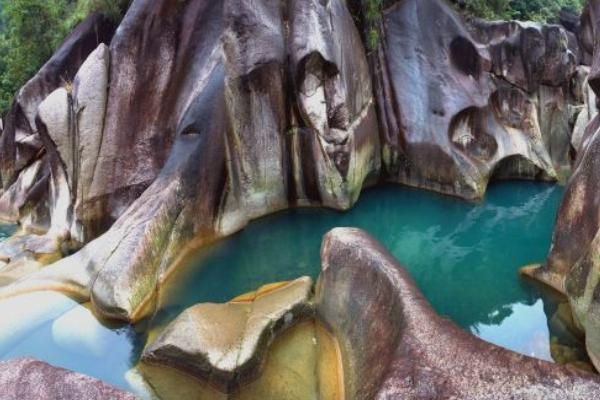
455 112
303 363
31 379
20 143
335 128
225 344
15 198
138 135
394 345
586 113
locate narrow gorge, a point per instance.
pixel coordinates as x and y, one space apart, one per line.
168 179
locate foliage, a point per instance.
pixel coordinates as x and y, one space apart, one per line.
30 32
526 10
373 17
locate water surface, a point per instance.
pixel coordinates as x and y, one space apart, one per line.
464 257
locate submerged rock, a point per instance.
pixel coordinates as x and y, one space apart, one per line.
31 379
393 344
225 345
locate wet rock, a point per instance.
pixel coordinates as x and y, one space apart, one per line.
335 129
393 344
25 255
31 379
302 364
25 190
539 60
225 344
586 32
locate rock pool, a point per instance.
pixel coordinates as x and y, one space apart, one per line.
464 257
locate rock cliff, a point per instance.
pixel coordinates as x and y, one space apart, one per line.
134 145
572 264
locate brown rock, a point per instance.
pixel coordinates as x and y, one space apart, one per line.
225 345
394 345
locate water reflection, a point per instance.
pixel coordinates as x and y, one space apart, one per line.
464 257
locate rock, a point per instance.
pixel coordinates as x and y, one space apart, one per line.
394 345
456 97
586 114
31 379
20 143
239 177
27 254
225 345
335 129
53 122
255 61
302 364
539 60
161 66
571 264
15 198
586 32
70 126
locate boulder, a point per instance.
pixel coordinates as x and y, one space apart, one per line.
20 144
393 345
31 379
572 263
226 345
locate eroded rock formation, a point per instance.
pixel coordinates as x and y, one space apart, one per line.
373 328
572 263
394 345
226 345
484 100
198 117
23 165
266 105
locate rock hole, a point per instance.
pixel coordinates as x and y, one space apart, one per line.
464 57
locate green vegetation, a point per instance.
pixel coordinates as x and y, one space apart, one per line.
30 32
526 10
373 17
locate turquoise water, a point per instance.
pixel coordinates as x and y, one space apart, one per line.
464 257
6 231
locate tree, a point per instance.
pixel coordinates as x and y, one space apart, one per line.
30 32
525 10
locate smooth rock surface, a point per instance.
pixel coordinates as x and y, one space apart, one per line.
225 345
394 345
20 144
453 117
